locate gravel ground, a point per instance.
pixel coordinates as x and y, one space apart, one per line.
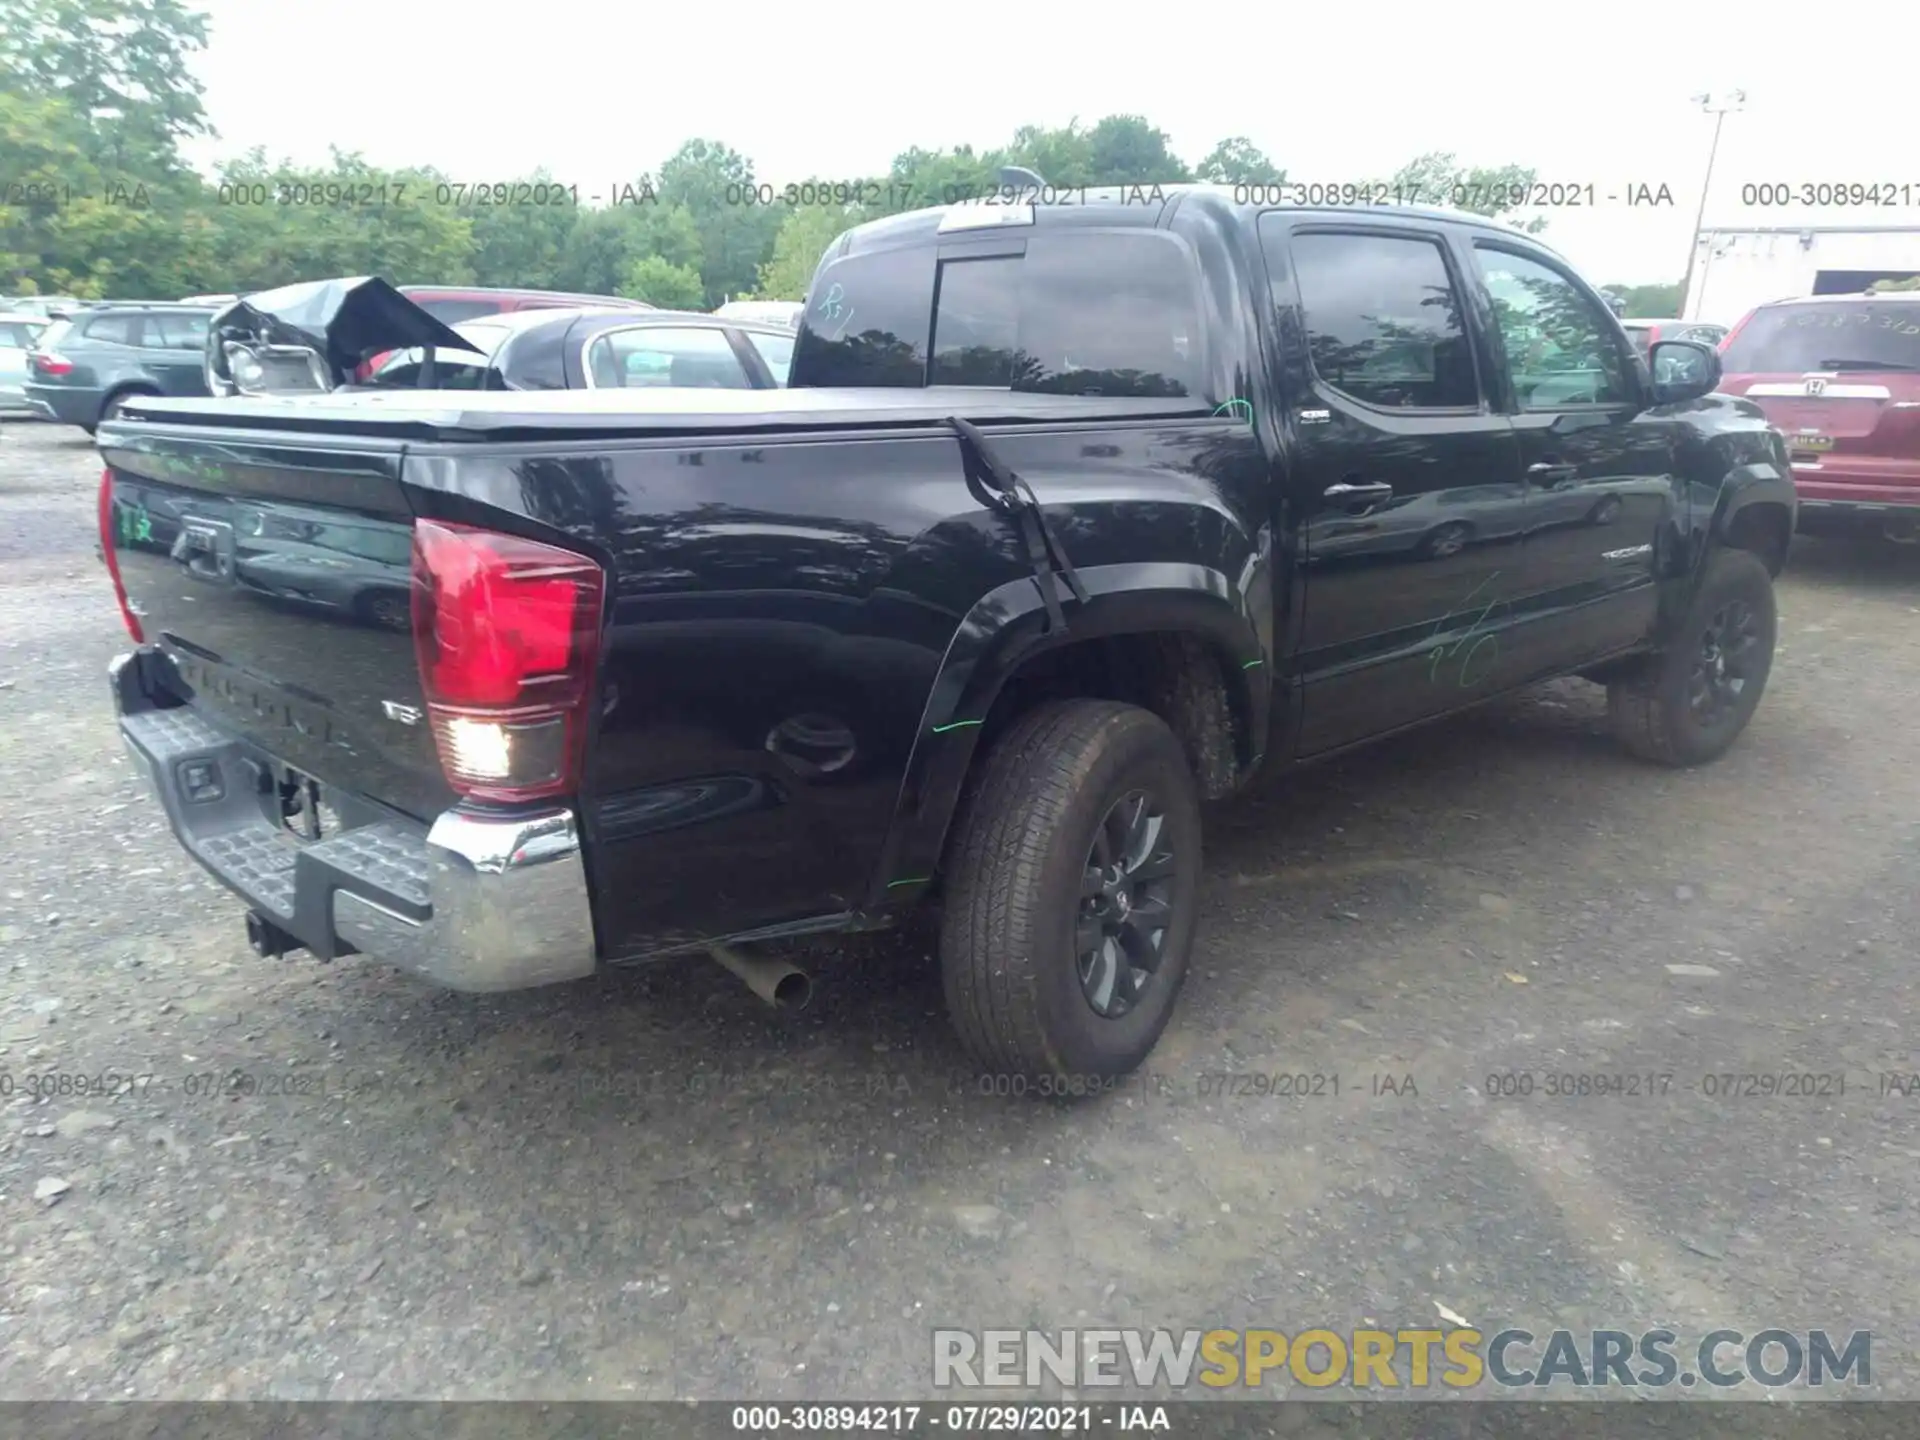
651 1186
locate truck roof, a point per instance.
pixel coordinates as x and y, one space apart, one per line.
1143 205
517 414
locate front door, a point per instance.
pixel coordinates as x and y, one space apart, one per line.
1600 467
1406 481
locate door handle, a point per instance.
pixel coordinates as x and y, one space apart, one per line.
1348 493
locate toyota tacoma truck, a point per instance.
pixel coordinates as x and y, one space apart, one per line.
1073 518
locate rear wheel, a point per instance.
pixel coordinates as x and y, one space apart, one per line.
1689 704
115 404
1450 539
1071 892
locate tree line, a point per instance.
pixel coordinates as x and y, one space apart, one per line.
98 96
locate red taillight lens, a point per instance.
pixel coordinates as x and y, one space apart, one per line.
112 560
46 363
507 632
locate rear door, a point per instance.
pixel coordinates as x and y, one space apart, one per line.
173 348
1406 478
1600 467
1840 379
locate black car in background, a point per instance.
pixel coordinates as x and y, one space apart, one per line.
599 349
86 367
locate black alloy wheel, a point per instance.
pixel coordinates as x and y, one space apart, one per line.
1126 905
1725 663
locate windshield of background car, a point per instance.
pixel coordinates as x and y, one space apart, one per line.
1082 312
1833 335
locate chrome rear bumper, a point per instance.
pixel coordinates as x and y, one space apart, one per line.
474 902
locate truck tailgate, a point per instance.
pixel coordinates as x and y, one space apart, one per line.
276 577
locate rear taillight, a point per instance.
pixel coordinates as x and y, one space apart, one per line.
112 560
507 632
45 362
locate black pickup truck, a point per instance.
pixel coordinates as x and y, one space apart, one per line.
1073 518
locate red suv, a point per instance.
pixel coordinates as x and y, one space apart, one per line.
1839 377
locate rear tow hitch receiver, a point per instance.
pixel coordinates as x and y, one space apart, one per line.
268 940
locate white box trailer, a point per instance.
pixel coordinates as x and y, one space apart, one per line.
1737 269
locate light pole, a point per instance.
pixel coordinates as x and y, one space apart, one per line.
1716 106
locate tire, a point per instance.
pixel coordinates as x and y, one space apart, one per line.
115 403
1017 915
1654 711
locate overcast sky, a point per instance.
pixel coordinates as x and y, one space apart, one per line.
598 92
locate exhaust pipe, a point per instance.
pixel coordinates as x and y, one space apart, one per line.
783 986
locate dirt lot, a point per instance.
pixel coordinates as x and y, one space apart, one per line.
652 1186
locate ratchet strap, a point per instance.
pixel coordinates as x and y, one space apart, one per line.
998 488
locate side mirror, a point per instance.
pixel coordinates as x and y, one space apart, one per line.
1683 370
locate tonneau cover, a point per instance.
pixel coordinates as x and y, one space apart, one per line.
582 414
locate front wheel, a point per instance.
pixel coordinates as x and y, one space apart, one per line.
1071 892
1689 704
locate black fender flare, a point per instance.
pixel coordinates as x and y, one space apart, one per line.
1005 629
1760 482
1746 486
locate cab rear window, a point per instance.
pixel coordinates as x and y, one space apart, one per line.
1078 313
1838 335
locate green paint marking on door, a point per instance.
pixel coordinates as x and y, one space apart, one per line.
1251 663
915 880
956 725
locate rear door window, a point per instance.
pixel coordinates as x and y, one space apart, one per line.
1383 319
177 332
1836 335
114 329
